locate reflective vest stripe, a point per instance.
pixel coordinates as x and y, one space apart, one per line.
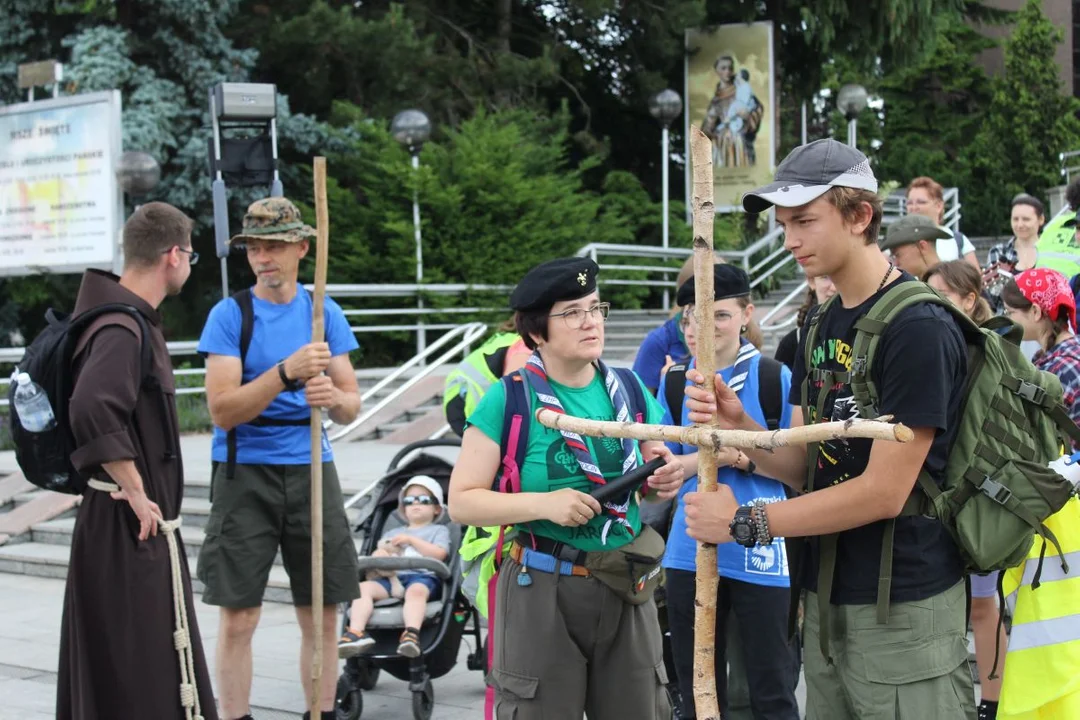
1052 570
1045 632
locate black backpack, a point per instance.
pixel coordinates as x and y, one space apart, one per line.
45 457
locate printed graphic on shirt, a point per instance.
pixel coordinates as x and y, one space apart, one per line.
768 559
836 458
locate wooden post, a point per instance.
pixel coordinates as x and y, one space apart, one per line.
318 334
705 700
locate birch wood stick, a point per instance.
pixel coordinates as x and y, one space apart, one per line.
710 438
705 700
318 334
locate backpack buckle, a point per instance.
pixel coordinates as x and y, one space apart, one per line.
995 491
858 366
1031 392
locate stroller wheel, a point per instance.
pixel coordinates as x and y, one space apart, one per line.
349 702
367 674
423 702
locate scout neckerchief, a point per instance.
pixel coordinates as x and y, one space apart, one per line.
620 402
741 369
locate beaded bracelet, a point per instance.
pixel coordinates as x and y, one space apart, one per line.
761 523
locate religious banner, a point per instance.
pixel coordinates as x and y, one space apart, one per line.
731 96
60 204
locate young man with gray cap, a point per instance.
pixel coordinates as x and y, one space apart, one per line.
911 241
264 378
858 664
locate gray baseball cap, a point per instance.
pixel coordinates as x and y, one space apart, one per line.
808 172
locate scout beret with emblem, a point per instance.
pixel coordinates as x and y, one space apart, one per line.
729 281
562 279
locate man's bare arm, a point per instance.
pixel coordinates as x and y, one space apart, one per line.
878 494
233 403
346 401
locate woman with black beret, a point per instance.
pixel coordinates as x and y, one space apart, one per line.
574 623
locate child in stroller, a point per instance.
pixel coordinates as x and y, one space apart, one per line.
420 501
442 620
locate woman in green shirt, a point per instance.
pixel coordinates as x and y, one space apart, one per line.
574 625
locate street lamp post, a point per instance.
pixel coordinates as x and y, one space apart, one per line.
851 100
665 106
412 128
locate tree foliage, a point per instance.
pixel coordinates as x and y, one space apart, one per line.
1028 121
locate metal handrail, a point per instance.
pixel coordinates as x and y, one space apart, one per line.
788 299
470 332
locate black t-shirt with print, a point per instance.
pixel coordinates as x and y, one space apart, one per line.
919 368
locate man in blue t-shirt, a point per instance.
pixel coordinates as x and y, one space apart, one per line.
261 398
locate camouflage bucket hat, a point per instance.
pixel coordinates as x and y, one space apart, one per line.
273 219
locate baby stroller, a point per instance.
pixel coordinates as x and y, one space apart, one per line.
445 620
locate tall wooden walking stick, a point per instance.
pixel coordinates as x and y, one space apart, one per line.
705 700
318 333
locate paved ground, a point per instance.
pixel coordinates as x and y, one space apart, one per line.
30 609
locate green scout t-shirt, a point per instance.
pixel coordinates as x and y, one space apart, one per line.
551 465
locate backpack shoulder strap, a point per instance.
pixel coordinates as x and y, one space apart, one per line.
247 326
959 237
674 390
629 380
247 320
770 391
517 414
870 329
85 325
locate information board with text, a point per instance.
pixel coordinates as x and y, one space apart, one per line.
60 205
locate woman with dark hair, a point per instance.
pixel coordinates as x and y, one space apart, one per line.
1018 253
819 289
574 626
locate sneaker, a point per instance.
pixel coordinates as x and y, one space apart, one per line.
354 642
410 644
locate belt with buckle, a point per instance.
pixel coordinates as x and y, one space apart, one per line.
537 560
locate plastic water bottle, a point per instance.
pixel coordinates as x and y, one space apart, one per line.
1068 466
32 405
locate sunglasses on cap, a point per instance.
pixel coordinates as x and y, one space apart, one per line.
417 500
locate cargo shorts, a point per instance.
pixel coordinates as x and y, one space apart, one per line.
262 509
913 668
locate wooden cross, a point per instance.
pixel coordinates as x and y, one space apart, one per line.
709 437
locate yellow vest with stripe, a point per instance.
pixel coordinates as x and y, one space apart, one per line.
1041 679
472 377
1057 248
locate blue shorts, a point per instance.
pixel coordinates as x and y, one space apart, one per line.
432 583
984 586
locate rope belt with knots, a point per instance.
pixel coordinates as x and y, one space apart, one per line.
189 689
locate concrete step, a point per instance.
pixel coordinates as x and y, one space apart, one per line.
59 532
48 560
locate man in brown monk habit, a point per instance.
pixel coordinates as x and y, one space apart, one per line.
117 653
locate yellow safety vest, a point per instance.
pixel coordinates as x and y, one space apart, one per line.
1041 679
1057 248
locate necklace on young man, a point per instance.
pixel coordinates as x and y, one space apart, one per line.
884 279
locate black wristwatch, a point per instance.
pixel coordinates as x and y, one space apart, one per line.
290 385
742 528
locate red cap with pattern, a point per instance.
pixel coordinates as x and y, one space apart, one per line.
1050 291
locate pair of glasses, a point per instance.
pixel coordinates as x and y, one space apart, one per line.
575 318
417 500
689 318
194 259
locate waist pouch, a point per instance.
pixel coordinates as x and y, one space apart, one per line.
633 571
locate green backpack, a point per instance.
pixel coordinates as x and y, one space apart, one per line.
997 489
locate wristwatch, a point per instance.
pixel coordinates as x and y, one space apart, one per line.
742 528
290 385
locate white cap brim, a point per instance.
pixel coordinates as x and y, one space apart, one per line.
786 193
